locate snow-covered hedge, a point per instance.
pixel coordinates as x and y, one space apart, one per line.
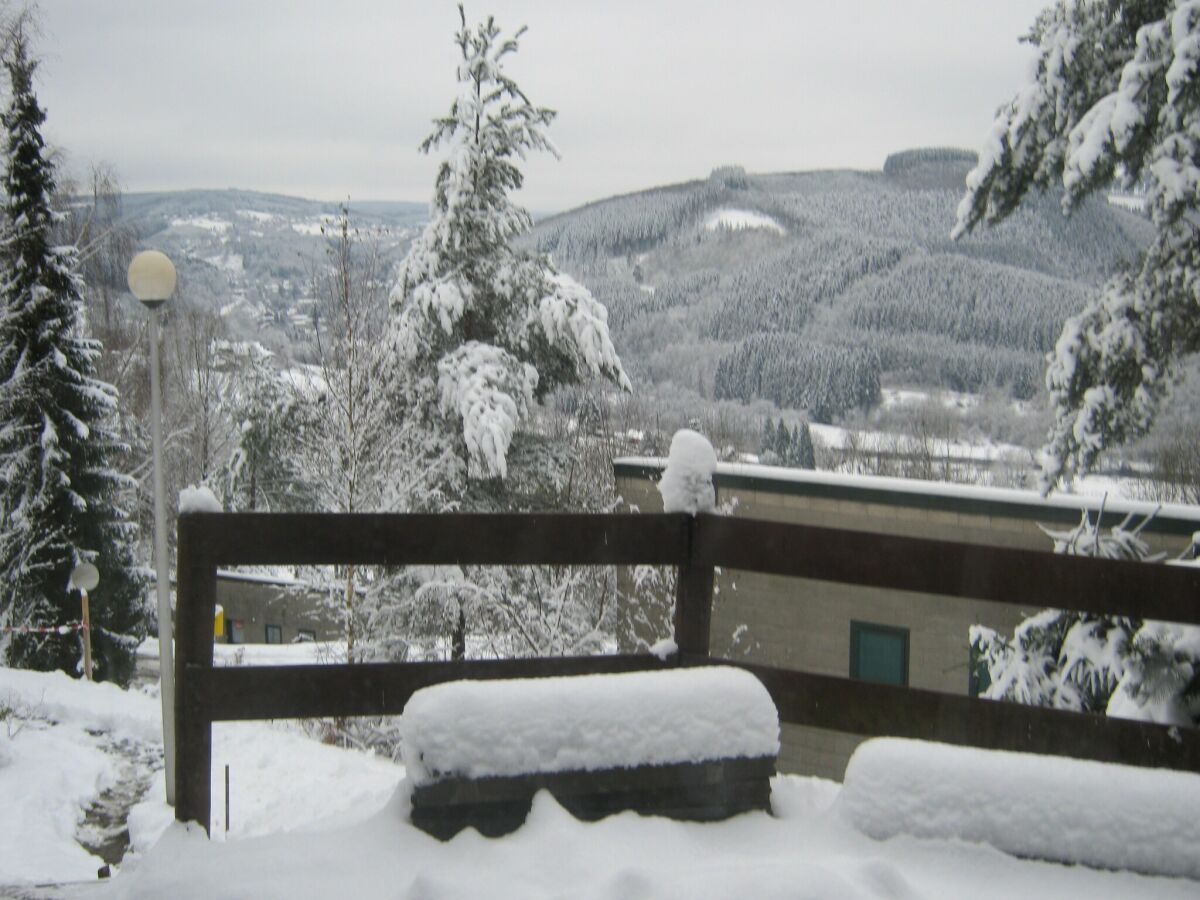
1044 807
513 727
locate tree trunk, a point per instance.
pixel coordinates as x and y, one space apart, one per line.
350 615
458 640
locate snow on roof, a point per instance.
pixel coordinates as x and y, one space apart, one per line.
1040 807
262 578
1077 502
512 727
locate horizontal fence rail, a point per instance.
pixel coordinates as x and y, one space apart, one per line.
1026 578
695 546
859 707
367 689
481 539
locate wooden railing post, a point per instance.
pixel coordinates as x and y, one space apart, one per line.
196 600
693 599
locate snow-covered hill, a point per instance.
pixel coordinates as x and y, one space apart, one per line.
251 255
744 286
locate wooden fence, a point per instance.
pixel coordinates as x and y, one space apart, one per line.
694 545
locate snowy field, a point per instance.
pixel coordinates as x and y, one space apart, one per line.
739 219
308 820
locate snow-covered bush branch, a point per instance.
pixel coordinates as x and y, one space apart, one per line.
1091 663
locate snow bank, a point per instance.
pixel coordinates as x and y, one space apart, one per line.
194 499
53 731
206 223
1044 807
98 706
804 850
47 778
686 484
511 727
280 780
301 653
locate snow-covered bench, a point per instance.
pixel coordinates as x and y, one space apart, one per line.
696 743
1043 807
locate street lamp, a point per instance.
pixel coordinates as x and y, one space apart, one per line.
152 281
84 578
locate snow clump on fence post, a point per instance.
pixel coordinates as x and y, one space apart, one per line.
687 482
194 499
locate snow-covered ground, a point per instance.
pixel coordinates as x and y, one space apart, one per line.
973 459
205 223
835 437
890 398
53 765
57 757
808 850
308 820
230 262
738 219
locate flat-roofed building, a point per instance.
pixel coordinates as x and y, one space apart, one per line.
876 634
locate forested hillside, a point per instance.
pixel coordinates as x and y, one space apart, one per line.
252 257
806 289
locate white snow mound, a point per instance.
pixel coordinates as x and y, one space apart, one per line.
194 499
686 484
512 727
1044 807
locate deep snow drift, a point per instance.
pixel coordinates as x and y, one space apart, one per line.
308 820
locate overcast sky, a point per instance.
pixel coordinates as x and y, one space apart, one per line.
330 99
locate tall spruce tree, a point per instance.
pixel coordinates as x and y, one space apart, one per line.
805 455
58 490
481 330
769 454
1113 95
484 328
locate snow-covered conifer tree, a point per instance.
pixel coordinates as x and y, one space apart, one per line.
1114 94
486 329
263 472
57 486
481 331
767 454
804 453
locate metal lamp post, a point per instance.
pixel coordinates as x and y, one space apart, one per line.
152 281
84 578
